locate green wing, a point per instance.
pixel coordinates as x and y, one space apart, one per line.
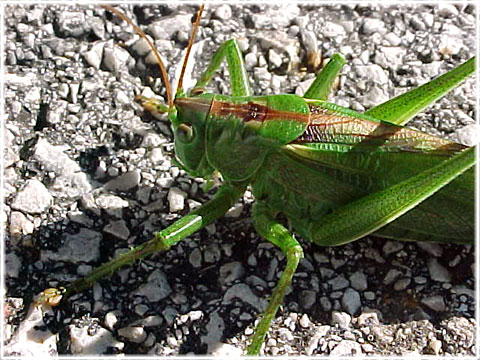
343 156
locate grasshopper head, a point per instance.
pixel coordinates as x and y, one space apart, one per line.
188 115
189 125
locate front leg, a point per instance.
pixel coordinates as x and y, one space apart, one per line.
239 84
226 196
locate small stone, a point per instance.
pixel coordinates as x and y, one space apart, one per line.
274 58
351 301
371 25
165 182
374 254
433 249
122 98
223 12
435 345
55 114
437 271
156 288
393 39
468 135
32 337
118 229
212 253
172 342
338 283
446 10
303 86
115 58
151 321
358 281
402 284
235 211
196 258
369 295
110 319
374 97
435 303
74 88
307 298
135 334
250 60
325 303
367 348
336 263
420 279
463 290
262 74
320 258
214 331
315 339
417 23
156 156
166 27
141 46
391 276
152 141
112 171
124 182
12 265
347 348
245 294
195 315
83 342
342 319
367 319
34 198
331 29
63 91
111 204
20 225
81 247
72 23
230 272
141 309
226 351
150 341
450 45
382 334
391 247
176 199
305 321
372 73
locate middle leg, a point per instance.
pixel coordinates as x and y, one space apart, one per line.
276 233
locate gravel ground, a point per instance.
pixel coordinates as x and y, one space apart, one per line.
87 175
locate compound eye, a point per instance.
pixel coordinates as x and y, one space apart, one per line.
197 91
184 133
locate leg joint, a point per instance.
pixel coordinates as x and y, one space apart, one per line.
295 253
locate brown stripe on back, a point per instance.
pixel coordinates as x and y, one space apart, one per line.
328 126
252 111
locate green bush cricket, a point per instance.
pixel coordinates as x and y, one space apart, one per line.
276 141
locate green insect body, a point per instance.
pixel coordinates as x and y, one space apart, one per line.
299 161
336 174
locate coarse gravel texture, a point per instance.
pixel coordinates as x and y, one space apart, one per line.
87 175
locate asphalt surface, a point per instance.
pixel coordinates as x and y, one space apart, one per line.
87 174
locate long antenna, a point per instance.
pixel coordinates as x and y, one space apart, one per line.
189 47
139 31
